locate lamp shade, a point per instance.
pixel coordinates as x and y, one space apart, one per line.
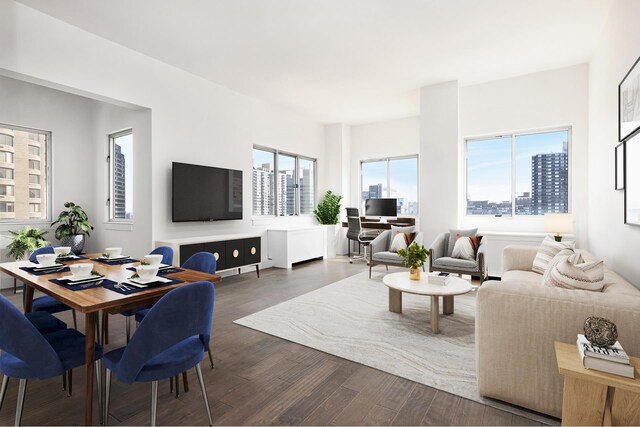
558 222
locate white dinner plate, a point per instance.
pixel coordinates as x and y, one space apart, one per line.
39 267
74 279
144 283
114 258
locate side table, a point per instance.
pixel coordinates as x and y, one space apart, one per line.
593 397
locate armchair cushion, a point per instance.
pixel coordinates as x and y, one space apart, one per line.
387 257
455 263
454 234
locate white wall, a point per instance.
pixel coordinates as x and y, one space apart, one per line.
391 138
193 120
609 238
530 102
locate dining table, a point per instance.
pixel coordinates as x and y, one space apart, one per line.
93 301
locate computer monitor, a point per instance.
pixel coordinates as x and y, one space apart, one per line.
381 207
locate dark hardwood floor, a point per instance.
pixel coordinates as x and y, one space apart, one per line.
260 379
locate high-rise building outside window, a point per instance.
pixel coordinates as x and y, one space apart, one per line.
392 177
519 174
283 183
19 190
120 199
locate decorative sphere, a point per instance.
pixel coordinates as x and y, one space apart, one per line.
600 331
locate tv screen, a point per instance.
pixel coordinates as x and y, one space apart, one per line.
381 207
204 193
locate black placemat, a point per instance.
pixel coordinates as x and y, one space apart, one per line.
82 286
41 273
116 262
164 271
112 287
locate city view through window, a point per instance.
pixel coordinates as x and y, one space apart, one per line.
534 181
290 191
122 176
395 178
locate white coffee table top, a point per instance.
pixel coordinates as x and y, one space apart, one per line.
401 282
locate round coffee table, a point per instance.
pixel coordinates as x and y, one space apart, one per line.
400 282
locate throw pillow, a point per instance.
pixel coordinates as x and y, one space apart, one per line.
571 272
548 249
409 229
466 247
452 238
401 241
559 257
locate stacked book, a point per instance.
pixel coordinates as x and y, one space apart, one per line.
611 359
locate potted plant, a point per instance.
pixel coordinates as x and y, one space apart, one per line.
327 213
414 257
74 225
25 241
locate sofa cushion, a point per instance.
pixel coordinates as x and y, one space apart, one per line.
548 249
572 272
387 257
455 263
521 276
453 236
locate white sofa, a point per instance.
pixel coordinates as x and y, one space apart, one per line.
518 319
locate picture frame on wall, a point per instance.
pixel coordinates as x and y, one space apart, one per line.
632 180
619 179
629 103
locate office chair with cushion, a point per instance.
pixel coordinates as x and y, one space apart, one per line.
27 354
171 338
355 233
47 303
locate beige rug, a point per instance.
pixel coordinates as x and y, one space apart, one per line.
350 319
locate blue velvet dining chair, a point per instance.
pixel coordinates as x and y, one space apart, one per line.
171 338
47 303
28 354
166 252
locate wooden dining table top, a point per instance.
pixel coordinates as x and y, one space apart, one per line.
100 298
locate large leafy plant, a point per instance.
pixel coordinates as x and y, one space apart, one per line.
328 209
26 240
72 221
414 256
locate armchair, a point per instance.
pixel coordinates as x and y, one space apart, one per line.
379 251
440 259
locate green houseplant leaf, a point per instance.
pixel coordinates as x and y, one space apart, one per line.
328 209
26 240
414 256
72 221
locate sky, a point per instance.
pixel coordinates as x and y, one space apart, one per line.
489 163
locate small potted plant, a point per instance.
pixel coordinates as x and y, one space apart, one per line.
327 213
414 257
25 241
74 225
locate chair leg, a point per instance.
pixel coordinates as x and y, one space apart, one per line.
210 358
15 286
387 267
185 382
107 396
154 401
70 381
3 389
177 386
64 381
98 369
22 390
204 393
75 321
128 327
170 384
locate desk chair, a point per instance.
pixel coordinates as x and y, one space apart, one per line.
355 233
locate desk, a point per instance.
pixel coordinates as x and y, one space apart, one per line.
592 397
92 301
379 225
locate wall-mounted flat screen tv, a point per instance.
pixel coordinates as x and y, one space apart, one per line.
381 207
205 193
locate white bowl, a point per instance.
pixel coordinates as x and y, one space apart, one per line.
62 250
81 270
46 260
147 272
113 252
153 260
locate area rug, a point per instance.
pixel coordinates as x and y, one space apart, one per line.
350 319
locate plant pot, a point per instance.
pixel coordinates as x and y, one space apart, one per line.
414 273
76 242
331 235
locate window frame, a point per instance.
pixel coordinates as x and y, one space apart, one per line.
388 160
111 180
513 135
296 179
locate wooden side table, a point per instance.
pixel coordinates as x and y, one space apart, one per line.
596 398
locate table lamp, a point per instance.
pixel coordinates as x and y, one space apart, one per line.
558 223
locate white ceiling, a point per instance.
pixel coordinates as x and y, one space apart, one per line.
350 61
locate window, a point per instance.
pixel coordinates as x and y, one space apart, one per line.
34 179
34 207
34 151
121 176
34 193
6 190
34 164
519 174
6 156
290 191
6 139
6 206
393 177
6 173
